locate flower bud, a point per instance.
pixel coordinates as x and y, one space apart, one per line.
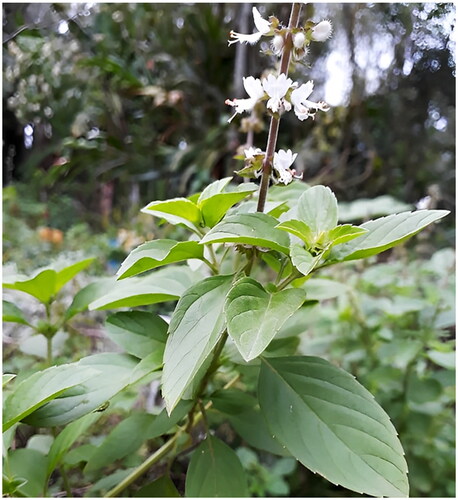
278 43
322 31
299 40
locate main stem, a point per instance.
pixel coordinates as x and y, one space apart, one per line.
275 122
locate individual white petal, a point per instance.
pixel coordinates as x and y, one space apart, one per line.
322 31
253 87
251 152
261 24
301 93
284 159
299 40
277 86
278 42
240 37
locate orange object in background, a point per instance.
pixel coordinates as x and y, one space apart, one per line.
54 236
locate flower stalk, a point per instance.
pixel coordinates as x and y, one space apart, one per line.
275 121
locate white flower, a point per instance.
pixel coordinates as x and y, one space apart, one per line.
278 42
263 26
302 106
299 40
251 152
322 31
254 89
282 163
276 88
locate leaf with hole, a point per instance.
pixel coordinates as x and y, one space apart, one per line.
332 425
254 316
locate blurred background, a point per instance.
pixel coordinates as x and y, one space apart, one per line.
107 107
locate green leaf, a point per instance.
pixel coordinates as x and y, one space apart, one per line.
366 208
331 424
111 373
256 229
12 314
385 233
139 333
254 316
67 438
69 272
298 228
7 378
214 208
44 284
87 295
215 471
159 488
317 207
444 359
31 465
41 285
212 189
125 438
344 233
195 328
303 260
160 286
176 211
158 253
41 387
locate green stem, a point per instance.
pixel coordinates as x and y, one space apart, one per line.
49 350
213 268
161 452
293 276
275 122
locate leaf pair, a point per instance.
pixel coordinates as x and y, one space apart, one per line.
206 211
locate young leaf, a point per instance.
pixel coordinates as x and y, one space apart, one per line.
215 471
176 211
67 438
298 228
158 253
196 326
254 316
160 286
331 424
303 260
44 284
256 229
40 388
342 234
317 207
385 233
138 332
215 207
12 314
111 373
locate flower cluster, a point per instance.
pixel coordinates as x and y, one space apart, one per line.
271 27
282 161
281 94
